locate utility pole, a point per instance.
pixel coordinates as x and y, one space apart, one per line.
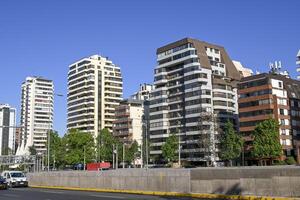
146 135
49 134
48 151
123 155
117 157
84 158
113 152
142 154
179 151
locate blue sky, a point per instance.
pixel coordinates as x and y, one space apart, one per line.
39 37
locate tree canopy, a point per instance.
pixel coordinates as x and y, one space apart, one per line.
78 145
231 143
266 142
170 147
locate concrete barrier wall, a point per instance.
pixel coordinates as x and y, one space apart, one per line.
258 181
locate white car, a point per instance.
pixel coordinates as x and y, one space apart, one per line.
15 178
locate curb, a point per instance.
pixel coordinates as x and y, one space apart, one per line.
176 194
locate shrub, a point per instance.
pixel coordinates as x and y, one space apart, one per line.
290 160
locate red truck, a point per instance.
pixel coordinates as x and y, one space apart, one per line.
98 166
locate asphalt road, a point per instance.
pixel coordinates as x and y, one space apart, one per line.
47 194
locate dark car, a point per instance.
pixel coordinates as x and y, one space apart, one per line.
3 183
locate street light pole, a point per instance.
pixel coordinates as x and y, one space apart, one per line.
84 158
113 152
179 151
123 155
48 157
48 139
146 143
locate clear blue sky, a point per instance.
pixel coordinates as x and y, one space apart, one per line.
42 37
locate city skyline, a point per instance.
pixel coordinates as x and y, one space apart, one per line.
45 45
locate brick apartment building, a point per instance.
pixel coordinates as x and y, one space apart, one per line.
268 95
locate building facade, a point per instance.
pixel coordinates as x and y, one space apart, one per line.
128 124
7 129
95 89
143 93
36 114
270 95
195 94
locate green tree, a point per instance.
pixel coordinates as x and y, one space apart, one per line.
131 152
32 150
78 145
56 150
105 143
231 144
170 148
266 144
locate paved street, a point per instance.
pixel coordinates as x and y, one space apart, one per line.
46 194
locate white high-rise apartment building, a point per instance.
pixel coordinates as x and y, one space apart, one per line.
7 129
298 63
95 88
195 94
36 114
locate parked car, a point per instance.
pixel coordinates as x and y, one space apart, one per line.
3 183
15 178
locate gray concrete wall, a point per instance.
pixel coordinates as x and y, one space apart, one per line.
259 181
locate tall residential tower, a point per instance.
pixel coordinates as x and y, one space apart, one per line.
7 129
195 94
36 114
95 88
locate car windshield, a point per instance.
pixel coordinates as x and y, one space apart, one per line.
17 175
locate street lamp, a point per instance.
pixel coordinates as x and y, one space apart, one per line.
48 140
146 143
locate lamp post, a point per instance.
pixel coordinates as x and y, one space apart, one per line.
146 143
123 155
48 140
84 158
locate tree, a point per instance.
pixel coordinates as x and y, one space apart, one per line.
32 150
266 144
105 143
78 145
169 148
56 150
131 152
231 144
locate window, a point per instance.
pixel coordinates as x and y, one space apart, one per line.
280 84
281 111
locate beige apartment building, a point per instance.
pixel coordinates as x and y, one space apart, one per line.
95 88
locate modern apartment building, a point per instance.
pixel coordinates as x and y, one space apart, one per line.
36 114
298 63
195 94
268 95
95 89
7 129
128 125
144 92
